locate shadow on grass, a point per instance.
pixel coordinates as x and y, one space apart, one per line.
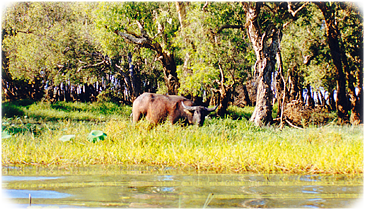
15 108
75 111
104 108
238 113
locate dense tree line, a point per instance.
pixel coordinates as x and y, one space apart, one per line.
245 53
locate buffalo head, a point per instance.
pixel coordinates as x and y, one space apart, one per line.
198 112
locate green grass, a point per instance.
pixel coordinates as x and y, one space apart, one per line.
221 145
66 110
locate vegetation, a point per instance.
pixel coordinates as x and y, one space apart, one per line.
221 145
70 71
207 51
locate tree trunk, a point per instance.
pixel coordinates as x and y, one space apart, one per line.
224 93
180 7
355 100
310 100
293 80
280 85
331 100
356 104
333 35
246 97
134 93
170 75
265 52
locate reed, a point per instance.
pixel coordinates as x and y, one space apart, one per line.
221 145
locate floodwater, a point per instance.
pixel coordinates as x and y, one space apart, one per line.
154 187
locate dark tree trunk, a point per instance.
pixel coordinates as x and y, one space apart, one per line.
333 36
310 100
293 80
355 100
134 93
246 97
331 100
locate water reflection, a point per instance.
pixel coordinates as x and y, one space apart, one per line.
165 178
312 189
26 178
154 188
47 194
310 178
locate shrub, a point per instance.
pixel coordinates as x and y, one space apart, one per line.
300 114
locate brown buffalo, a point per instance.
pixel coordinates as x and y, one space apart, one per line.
157 108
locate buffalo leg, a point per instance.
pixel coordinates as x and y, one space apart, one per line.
136 117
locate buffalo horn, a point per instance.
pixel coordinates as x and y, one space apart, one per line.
189 108
211 109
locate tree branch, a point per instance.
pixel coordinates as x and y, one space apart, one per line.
229 26
293 13
205 6
132 38
90 66
143 32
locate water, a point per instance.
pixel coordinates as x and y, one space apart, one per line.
153 187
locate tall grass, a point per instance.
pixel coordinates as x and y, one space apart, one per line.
222 145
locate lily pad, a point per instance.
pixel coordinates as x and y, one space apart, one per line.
5 135
67 138
95 136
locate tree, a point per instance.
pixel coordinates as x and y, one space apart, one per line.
351 42
48 44
343 16
214 50
264 22
306 58
333 36
265 45
149 25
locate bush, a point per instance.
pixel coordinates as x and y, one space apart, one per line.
300 114
110 96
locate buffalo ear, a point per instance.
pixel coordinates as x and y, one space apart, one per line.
188 108
211 109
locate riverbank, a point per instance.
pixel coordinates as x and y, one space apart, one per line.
221 145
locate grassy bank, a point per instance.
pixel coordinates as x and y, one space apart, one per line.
223 145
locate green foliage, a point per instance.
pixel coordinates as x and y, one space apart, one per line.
48 43
305 40
125 16
48 40
204 49
200 77
352 42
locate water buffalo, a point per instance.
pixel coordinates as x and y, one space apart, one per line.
157 107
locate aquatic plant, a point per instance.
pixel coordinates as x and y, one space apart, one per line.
95 136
